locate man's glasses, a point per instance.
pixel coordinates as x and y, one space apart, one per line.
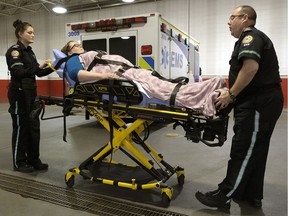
232 17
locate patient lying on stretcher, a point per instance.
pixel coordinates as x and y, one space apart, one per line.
199 96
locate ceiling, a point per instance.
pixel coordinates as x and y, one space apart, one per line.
14 7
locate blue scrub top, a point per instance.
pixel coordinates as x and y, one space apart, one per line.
73 66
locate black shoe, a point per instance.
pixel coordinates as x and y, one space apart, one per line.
256 203
24 168
40 166
214 199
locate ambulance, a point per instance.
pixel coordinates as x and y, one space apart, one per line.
148 41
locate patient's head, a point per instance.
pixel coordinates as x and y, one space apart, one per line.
72 48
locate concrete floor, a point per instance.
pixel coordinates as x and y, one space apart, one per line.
204 167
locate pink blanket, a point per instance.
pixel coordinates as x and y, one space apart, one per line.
198 96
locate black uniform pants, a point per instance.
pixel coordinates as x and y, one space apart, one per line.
25 139
255 119
26 130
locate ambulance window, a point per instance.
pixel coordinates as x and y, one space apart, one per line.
97 44
124 47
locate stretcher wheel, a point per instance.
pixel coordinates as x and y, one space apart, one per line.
69 180
166 196
165 200
181 180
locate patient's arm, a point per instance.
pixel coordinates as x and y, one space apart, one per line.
84 76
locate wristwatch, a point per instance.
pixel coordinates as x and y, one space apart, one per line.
232 96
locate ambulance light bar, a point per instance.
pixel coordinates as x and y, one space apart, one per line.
108 24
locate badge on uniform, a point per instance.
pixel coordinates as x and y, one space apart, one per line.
247 40
15 54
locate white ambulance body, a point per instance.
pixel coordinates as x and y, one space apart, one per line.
148 41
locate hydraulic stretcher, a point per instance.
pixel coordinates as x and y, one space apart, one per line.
146 173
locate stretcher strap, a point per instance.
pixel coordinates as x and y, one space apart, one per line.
182 79
111 100
174 93
97 60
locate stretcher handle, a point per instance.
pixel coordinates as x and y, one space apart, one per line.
49 100
210 144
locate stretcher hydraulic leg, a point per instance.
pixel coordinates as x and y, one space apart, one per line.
123 140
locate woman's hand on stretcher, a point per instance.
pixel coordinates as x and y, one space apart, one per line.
45 64
224 99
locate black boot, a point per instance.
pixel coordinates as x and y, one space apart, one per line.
38 165
256 203
24 168
214 199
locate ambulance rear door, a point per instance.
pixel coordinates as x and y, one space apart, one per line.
122 43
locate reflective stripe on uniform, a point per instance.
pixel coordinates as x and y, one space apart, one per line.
17 63
248 155
17 136
250 52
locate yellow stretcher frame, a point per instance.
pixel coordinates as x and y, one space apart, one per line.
122 139
89 97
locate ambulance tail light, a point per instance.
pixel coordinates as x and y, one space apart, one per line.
135 20
110 22
79 26
164 27
140 19
101 23
75 27
180 38
128 21
146 49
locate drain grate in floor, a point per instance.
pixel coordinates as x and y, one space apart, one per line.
79 200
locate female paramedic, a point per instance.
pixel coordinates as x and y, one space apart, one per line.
23 67
92 66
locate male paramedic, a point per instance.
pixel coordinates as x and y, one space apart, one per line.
255 89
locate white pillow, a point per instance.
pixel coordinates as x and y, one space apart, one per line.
58 55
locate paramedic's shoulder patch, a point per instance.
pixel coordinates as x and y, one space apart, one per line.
247 40
15 53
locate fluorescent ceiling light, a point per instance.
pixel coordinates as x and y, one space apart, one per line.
59 9
125 37
128 1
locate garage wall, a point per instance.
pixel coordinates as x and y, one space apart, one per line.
205 20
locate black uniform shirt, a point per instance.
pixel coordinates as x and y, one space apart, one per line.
23 67
254 44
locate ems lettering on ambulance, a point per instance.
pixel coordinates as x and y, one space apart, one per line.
247 40
175 58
